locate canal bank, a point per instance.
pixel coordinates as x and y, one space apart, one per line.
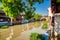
17 30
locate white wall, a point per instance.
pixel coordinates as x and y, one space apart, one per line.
57 24
50 12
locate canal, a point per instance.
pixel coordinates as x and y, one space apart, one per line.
14 31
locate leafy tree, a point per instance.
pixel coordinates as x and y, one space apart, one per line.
37 16
12 8
1 8
29 13
58 0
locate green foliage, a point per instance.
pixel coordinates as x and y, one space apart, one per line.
12 8
37 16
45 25
29 14
1 8
3 27
57 0
36 36
0 0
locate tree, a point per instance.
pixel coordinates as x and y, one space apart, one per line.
58 0
29 13
37 16
12 8
1 8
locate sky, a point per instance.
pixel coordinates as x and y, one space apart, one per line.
42 8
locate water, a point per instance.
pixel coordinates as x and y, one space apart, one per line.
3 23
12 32
46 37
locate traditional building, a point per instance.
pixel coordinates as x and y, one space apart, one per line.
3 17
2 13
18 19
55 9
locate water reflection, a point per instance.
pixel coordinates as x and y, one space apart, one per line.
46 37
14 31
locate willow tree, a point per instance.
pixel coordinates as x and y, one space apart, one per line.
12 8
29 8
